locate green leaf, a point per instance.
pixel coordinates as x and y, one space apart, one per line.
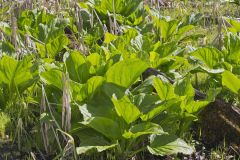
111 89
145 87
212 93
143 129
164 89
195 106
233 46
145 102
109 38
41 50
165 49
87 90
93 84
106 126
234 23
184 87
77 67
6 28
92 141
42 32
98 109
52 77
211 57
126 109
78 91
171 118
211 71
56 45
94 59
159 109
168 145
126 72
183 30
167 28
123 7
16 74
97 64
231 81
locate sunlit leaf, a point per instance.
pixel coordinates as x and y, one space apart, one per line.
231 81
143 129
126 72
106 126
164 89
92 141
52 77
77 67
168 145
16 74
125 109
211 57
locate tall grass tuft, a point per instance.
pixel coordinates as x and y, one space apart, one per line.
4 121
66 106
44 126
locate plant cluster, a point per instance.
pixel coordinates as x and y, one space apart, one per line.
81 81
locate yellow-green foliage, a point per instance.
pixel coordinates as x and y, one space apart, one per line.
4 120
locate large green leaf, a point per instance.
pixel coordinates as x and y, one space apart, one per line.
87 90
126 109
172 119
56 45
211 57
126 72
46 30
52 77
93 84
97 64
143 129
182 31
167 28
111 89
98 110
92 141
168 145
207 70
233 46
16 74
123 7
146 102
165 49
195 106
159 109
77 67
95 143
53 47
164 89
184 87
231 81
235 25
42 32
78 91
145 87
99 104
106 126
109 37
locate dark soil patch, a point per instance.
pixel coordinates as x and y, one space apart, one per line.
10 151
